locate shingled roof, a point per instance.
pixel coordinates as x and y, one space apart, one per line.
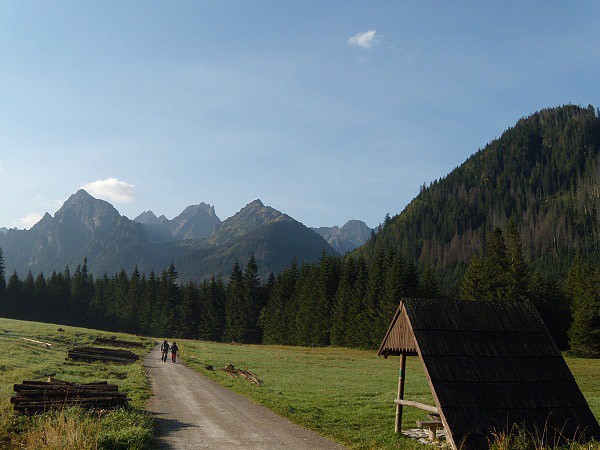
491 365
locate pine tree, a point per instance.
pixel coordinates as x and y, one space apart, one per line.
169 301
430 286
343 298
234 320
518 273
252 303
584 334
495 268
471 287
190 311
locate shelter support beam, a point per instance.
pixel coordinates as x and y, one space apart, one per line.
401 376
423 406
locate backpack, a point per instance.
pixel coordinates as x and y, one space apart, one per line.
164 347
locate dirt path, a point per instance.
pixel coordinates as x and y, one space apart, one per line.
194 412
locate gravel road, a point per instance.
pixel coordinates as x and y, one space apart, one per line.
194 412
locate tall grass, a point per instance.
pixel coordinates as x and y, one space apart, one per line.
72 428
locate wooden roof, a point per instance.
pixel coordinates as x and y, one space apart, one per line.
491 365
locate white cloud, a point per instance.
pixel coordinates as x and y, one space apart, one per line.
28 220
111 189
365 40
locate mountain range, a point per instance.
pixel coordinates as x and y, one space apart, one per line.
196 240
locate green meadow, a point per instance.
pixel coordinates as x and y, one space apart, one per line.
129 428
344 394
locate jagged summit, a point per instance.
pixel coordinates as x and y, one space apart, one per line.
350 236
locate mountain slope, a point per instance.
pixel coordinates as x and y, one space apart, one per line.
544 172
274 244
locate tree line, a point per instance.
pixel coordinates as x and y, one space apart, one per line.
337 301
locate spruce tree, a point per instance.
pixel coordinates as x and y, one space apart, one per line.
234 320
252 302
471 287
518 273
584 334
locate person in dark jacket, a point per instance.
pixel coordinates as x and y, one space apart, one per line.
174 350
164 350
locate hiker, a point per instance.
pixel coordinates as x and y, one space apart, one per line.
164 349
174 350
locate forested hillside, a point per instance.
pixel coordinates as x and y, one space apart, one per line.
544 173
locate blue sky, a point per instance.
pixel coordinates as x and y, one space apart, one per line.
325 110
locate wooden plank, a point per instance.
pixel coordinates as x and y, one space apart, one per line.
423 406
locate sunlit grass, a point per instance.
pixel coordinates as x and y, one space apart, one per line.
74 428
344 394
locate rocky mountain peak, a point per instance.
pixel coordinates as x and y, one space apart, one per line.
148 218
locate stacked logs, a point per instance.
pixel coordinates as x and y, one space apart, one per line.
38 396
91 354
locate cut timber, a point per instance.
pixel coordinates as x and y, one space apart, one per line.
38 396
230 370
423 406
91 354
47 344
117 343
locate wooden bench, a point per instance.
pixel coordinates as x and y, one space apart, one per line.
431 426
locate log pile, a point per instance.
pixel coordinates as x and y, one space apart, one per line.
117 343
230 370
38 396
91 354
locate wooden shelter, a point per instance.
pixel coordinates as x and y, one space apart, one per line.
490 366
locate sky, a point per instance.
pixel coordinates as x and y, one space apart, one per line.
325 110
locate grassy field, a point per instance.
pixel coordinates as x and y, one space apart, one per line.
344 394
74 429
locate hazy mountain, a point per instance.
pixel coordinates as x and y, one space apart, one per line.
544 172
3 230
249 218
274 238
350 236
195 222
83 227
87 227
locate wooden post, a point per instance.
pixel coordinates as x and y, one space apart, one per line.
401 377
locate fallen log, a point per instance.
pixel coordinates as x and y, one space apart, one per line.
230 370
46 344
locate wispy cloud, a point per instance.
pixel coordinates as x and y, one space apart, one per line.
364 40
28 220
111 189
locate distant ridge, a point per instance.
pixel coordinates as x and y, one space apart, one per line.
196 240
195 222
350 236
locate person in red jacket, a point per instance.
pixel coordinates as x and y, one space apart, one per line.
174 350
